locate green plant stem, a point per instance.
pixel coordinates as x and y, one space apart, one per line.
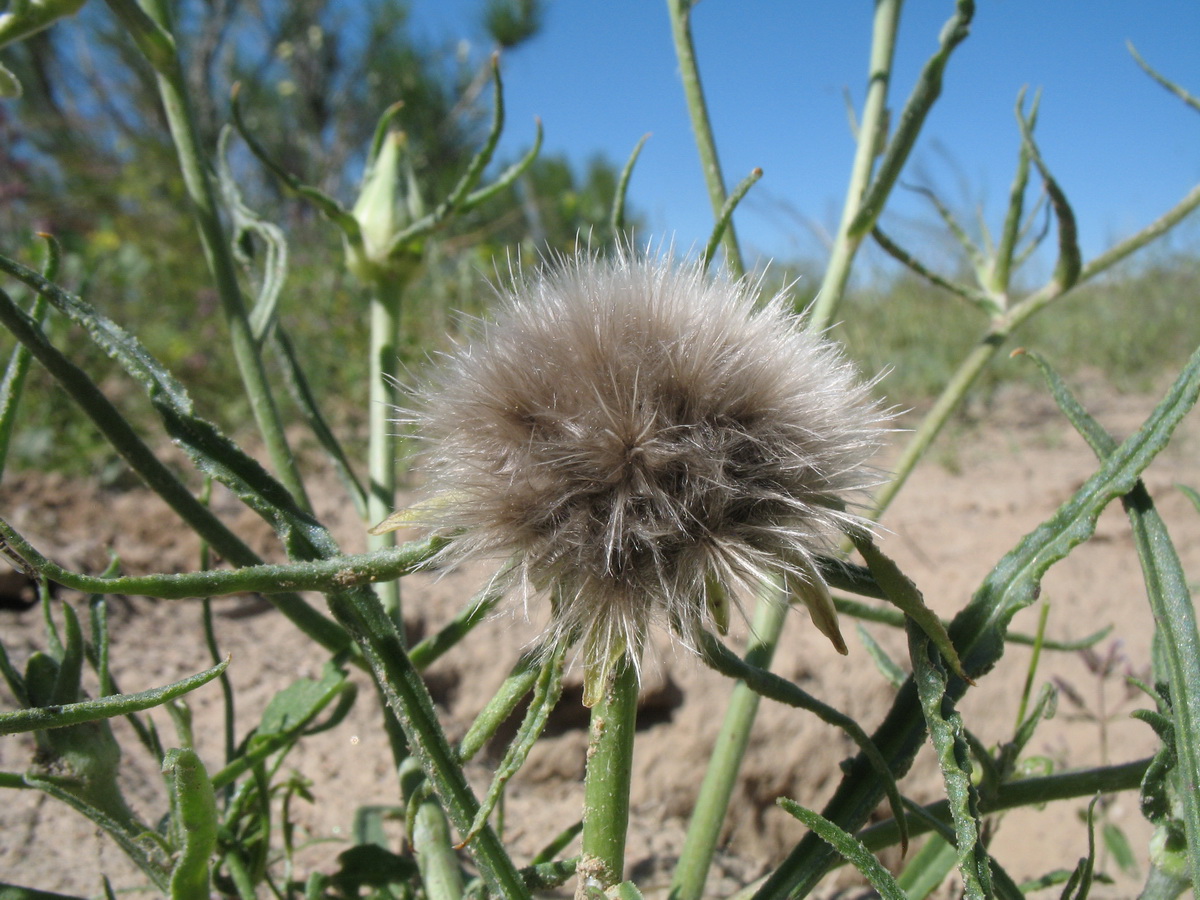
335 573
1163 884
606 782
743 704
939 414
872 129
381 447
408 697
14 382
157 476
441 875
724 764
685 52
998 332
177 107
1014 794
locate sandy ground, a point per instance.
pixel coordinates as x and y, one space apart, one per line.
971 502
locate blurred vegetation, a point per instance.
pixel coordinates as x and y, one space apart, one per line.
312 94
1135 326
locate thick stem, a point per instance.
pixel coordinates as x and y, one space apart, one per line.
704 830
408 697
606 782
381 448
872 130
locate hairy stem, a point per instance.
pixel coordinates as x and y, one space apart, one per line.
381 448
606 782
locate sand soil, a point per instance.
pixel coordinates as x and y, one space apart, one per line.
978 494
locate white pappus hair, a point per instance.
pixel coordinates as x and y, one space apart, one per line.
634 435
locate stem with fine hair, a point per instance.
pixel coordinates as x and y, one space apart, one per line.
386 299
215 240
607 779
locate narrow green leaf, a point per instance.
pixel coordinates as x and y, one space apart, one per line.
194 824
1022 792
431 648
1189 99
10 85
1079 885
725 215
1005 258
16 892
70 667
904 257
1034 659
1120 849
13 384
145 854
1170 602
12 677
617 219
500 706
546 693
976 256
887 667
479 162
558 844
626 890
850 849
38 718
304 398
289 715
1070 261
326 205
1044 708
1191 494
299 703
1005 887
25 19
896 619
506 178
316 575
928 868
781 690
920 101
946 734
904 594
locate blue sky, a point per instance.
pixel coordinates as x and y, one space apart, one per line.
602 73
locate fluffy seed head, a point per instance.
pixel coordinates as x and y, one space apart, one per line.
642 441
